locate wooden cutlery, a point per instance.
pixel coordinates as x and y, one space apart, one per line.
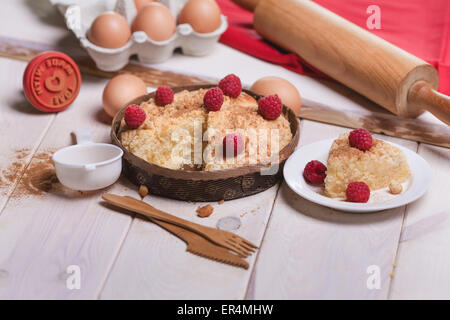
200 246
220 239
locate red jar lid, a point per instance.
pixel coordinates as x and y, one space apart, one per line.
51 81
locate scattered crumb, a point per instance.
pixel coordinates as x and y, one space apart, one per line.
221 201
143 191
392 274
394 265
205 211
243 214
395 187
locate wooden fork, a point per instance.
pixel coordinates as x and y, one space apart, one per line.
200 246
226 239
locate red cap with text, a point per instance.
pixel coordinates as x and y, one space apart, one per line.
51 81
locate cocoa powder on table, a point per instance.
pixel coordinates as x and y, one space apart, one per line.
37 179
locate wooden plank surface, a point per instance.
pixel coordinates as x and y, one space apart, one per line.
45 227
21 127
311 252
154 264
424 256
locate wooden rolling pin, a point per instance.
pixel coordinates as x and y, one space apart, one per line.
384 73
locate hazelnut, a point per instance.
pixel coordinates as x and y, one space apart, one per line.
204 212
395 187
143 191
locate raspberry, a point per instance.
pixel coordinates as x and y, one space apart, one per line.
163 96
231 86
270 107
233 144
358 192
360 139
134 116
213 99
315 172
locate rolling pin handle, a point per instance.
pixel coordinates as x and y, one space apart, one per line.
423 96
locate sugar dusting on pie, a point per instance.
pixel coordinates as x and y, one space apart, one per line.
377 167
185 133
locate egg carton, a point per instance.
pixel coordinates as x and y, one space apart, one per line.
79 15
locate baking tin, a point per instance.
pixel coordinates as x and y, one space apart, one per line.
79 15
201 186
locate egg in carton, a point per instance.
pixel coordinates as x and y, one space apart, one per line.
79 15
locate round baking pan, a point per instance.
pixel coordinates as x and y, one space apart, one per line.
190 185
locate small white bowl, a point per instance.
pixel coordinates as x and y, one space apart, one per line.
88 166
413 189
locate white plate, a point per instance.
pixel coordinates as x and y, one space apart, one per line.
381 199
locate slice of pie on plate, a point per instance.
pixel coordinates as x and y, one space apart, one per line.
377 167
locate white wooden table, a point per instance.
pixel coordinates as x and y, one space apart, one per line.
306 251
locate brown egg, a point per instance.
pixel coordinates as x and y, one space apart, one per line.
109 30
287 92
156 21
141 3
202 15
120 90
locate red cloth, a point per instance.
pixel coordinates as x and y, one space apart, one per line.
417 26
